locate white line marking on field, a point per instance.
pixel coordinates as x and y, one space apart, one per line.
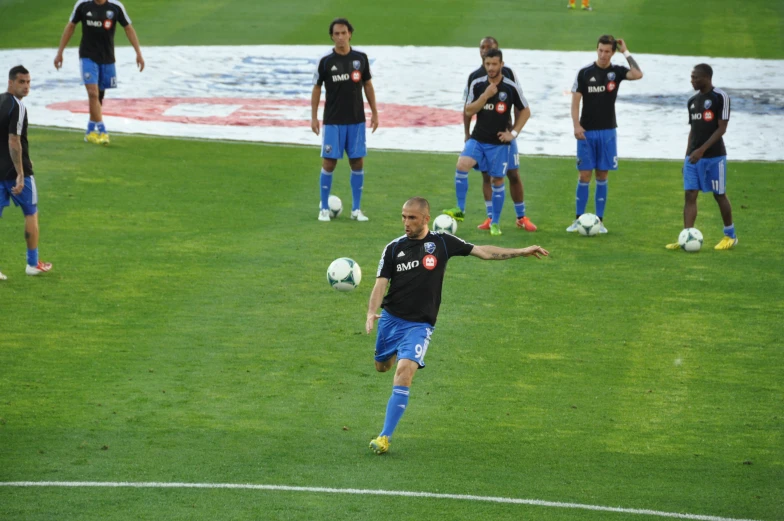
366 492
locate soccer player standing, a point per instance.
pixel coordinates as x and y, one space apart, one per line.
512 173
705 167
16 170
597 87
346 73
413 268
99 19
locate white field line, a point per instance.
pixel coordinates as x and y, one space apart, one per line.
366 492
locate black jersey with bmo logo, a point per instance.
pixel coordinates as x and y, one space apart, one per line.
494 116
98 25
599 88
344 76
415 269
13 122
705 111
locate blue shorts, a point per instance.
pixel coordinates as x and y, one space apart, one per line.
512 163
707 174
598 151
104 75
340 138
28 199
407 340
493 159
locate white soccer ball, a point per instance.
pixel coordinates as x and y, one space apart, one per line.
344 274
588 224
690 240
444 223
335 206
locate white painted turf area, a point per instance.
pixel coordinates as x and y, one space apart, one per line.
365 492
266 89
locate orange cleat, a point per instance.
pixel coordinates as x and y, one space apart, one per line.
525 222
485 225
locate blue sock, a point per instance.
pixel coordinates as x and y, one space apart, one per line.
357 181
520 210
90 127
729 231
582 197
395 408
100 127
499 192
326 185
600 197
32 257
461 188
489 208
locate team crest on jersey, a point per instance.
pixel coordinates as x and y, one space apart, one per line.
109 14
356 76
707 115
430 247
501 107
611 86
429 262
356 64
708 104
502 96
328 149
611 76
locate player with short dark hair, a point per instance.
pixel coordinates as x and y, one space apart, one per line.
596 86
17 183
513 173
413 267
99 19
346 73
705 166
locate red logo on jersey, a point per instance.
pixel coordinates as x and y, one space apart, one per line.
356 76
501 107
707 115
429 262
107 24
610 86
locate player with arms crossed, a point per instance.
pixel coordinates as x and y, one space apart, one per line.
705 167
99 19
413 268
491 98
16 170
597 86
346 73
512 173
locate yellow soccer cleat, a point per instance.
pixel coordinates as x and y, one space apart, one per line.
455 213
103 138
673 246
495 230
93 137
380 445
726 243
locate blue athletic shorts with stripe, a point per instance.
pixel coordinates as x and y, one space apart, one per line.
28 199
104 75
707 174
493 159
512 163
344 138
407 340
598 151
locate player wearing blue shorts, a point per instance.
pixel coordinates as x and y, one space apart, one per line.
346 73
413 267
705 167
596 86
492 98
99 19
512 173
17 183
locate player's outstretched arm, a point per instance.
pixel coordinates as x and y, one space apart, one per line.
130 32
315 97
370 94
376 296
488 252
635 73
64 39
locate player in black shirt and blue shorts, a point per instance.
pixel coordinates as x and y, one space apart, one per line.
597 86
346 73
492 98
17 183
705 166
413 267
99 19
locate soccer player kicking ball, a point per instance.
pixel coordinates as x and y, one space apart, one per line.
413 267
705 167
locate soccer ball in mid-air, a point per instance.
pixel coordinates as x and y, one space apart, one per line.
344 274
588 224
690 240
335 206
444 223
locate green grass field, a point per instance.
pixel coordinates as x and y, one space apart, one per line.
187 332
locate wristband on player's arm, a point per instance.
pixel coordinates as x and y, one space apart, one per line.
626 53
514 133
